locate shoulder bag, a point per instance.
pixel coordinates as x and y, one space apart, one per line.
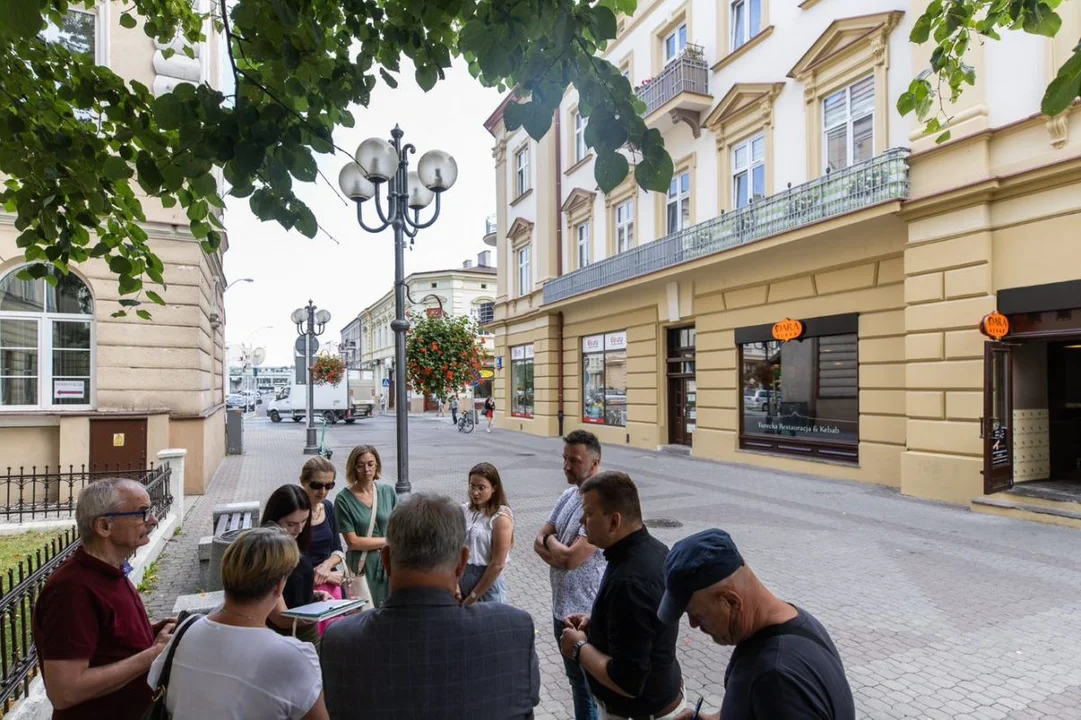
356 584
157 710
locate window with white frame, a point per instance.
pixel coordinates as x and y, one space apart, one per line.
675 43
580 148
749 171
625 225
679 202
848 117
582 235
525 279
521 172
46 343
82 33
746 19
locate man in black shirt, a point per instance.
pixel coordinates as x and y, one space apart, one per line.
628 653
785 666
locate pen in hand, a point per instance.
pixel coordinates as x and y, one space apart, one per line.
697 709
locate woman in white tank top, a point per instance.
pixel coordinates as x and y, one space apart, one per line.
489 536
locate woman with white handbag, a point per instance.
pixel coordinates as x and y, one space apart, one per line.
362 511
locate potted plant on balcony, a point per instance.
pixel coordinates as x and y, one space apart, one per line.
803 205
867 182
695 52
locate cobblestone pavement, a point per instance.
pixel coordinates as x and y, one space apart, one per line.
937 612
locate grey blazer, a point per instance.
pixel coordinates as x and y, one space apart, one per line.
422 655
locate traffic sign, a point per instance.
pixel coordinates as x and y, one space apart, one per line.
301 345
386 382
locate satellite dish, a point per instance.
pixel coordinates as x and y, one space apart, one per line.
258 355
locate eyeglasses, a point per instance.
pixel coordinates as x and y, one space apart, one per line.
321 486
146 514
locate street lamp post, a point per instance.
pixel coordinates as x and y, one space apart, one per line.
379 161
310 324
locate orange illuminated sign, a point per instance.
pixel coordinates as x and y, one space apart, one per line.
995 325
788 329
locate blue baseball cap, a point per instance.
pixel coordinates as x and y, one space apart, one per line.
693 563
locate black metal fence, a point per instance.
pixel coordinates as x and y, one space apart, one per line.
19 592
21 584
33 494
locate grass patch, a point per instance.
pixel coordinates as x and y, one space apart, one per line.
14 548
150 578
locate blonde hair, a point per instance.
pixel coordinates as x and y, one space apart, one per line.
317 464
257 561
358 452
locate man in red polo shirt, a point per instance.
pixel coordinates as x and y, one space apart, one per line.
91 630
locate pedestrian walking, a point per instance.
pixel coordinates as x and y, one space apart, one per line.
489 411
784 666
424 655
382 404
362 512
628 653
325 551
289 508
489 536
454 410
227 664
575 565
90 627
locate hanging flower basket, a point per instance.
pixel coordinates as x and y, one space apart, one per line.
328 369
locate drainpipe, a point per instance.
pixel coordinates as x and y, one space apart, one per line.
559 260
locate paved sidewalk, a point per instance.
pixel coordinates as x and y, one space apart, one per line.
938 612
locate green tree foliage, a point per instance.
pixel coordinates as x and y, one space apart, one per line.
443 354
299 66
953 25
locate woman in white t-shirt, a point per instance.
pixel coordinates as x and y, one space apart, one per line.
229 664
489 536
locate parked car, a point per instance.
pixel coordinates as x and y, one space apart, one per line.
759 399
236 400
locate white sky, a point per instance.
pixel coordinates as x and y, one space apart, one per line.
289 269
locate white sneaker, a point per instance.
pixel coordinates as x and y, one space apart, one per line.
488 429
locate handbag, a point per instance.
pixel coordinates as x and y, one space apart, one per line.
157 709
355 585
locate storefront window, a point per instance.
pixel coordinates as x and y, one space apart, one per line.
604 379
521 381
802 396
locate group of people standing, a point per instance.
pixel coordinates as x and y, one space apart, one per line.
440 639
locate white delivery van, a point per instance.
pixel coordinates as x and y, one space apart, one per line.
332 403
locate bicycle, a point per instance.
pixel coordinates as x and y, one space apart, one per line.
465 423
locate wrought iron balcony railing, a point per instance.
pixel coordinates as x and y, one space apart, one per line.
878 180
687 73
489 225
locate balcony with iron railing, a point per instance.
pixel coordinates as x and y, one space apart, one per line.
490 230
881 179
683 85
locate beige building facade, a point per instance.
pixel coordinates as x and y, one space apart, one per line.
809 294
81 390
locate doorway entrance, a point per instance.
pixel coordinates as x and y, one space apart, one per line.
118 444
682 387
1032 405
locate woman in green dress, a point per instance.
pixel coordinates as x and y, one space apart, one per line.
353 510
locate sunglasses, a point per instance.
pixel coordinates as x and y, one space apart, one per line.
321 486
145 514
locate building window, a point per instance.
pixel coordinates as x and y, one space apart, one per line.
521 174
46 343
675 43
521 381
749 171
746 20
582 234
81 33
625 226
802 397
848 117
679 202
486 312
525 279
604 379
580 148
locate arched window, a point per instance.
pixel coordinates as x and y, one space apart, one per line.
46 342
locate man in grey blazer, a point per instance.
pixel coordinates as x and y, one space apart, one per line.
422 655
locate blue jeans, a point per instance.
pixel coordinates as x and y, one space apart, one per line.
584 707
472 575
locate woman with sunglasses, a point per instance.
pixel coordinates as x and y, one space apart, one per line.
325 551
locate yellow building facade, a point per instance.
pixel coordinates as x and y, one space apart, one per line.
82 391
664 320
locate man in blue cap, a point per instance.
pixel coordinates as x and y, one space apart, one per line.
784 665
